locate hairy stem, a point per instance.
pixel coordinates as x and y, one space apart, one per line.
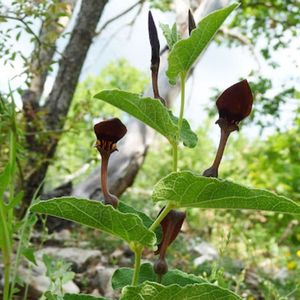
175 156
223 140
104 165
182 100
161 216
137 264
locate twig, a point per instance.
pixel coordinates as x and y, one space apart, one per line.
118 16
132 22
242 40
287 231
24 23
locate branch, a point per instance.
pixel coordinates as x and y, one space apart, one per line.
123 13
24 23
243 40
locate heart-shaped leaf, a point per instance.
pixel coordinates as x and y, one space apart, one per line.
126 226
187 189
123 276
155 291
152 112
185 52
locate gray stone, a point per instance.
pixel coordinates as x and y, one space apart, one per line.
208 253
80 259
102 280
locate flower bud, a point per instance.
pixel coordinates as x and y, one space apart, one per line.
155 56
192 24
160 267
235 103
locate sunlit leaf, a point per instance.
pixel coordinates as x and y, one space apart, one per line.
187 189
126 226
186 52
151 112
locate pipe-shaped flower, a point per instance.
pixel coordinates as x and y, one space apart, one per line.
234 105
171 225
108 133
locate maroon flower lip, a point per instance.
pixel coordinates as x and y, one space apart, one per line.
235 103
111 130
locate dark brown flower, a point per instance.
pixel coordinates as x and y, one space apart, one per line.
234 105
108 133
171 225
192 24
155 56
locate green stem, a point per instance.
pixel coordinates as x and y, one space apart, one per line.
182 100
18 255
6 251
12 163
161 216
175 156
137 264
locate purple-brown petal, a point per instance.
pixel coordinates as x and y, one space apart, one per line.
235 103
171 225
154 41
111 130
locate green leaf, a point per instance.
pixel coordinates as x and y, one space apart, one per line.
126 226
82 297
147 221
29 254
170 34
122 277
4 179
16 200
151 112
148 110
181 278
155 291
187 136
186 52
187 189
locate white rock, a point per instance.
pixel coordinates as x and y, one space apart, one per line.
80 258
208 253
